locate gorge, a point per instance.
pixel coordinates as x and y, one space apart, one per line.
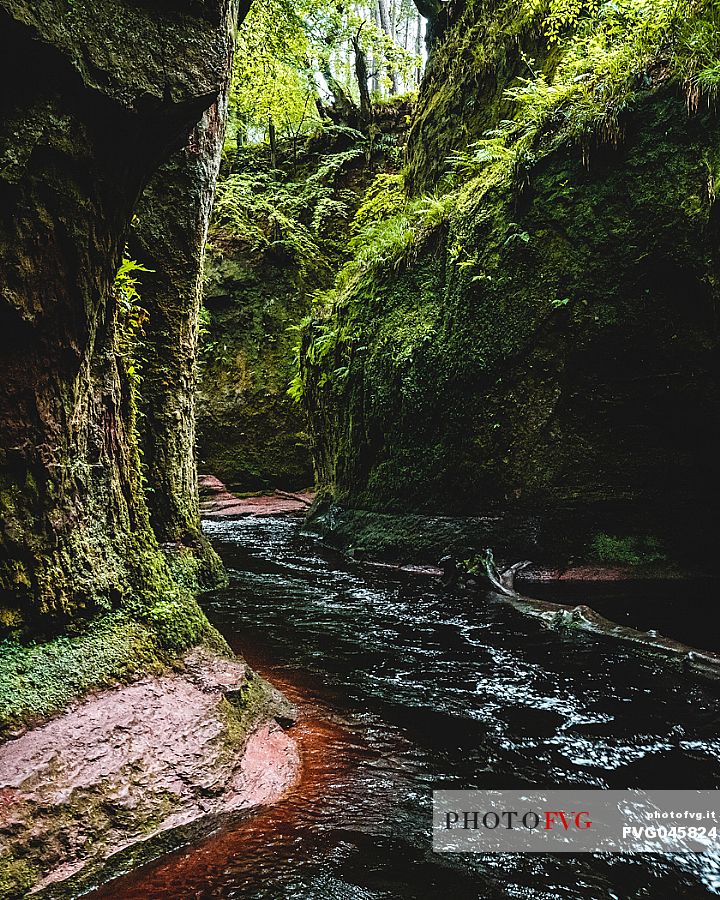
448 271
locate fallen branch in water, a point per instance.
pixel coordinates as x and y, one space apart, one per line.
559 616
290 496
504 582
485 575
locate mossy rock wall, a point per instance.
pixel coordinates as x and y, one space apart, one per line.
484 45
97 96
251 434
552 351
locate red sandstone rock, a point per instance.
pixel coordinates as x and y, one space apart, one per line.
218 503
132 762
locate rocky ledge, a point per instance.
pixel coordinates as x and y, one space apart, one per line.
217 502
127 766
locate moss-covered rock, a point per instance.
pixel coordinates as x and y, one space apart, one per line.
251 434
484 47
98 95
138 769
169 238
278 238
547 354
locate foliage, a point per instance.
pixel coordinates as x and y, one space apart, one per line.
387 224
273 80
563 14
265 217
614 49
385 196
131 317
250 431
386 231
40 678
293 58
287 219
629 551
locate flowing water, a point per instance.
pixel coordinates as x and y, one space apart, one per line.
403 689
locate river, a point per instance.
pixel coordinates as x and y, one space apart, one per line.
403 688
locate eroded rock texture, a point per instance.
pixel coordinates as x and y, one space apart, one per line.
546 360
123 767
96 96
170 237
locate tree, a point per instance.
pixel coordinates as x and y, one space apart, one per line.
387 25
361 73
305 61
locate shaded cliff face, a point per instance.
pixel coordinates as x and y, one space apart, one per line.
169 239
97 96
549 352
261 277
482 46
251 434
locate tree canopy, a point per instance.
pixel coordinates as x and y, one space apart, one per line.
298 59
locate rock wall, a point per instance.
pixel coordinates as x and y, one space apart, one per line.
251 434
547 356
169 239
97 96
482 46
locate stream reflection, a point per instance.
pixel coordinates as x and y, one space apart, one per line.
403 689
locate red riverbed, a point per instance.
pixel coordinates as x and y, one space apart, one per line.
329 751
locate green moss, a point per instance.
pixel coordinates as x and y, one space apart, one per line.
277 241
38 679
196 568
629 551
241 711
463 92
17 876
251 435
544 347
177 623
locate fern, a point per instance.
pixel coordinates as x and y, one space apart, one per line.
610 51
130 315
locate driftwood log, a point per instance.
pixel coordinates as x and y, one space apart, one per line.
501 582
558 616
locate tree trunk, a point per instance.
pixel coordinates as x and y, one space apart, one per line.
361 74
377 85
418 45
272 135
83 129
387 26
343 110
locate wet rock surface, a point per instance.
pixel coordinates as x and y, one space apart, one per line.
216 501
132 763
